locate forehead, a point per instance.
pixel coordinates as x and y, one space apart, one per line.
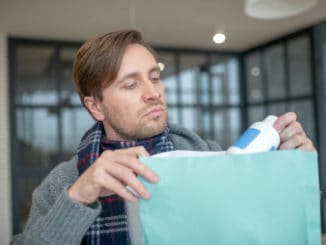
137 57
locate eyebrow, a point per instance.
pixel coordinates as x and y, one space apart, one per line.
155 68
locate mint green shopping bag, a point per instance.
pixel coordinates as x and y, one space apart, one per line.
256 199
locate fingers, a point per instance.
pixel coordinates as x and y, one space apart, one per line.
308 146
127 177
133 164
108 182
124 165
298 142
291 132
292 143
284 120
111 173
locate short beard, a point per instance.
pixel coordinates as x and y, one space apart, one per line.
139 132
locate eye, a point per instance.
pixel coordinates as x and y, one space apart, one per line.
131 84
155 76
155 79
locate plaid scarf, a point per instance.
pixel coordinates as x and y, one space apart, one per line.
111 227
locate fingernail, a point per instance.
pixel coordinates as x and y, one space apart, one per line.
146 194
154 178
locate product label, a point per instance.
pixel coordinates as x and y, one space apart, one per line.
246 138
272 148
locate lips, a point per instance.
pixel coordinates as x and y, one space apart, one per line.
155 112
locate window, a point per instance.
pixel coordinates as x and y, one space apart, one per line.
279 79
202 90
47 114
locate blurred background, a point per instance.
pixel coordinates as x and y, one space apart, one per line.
273 59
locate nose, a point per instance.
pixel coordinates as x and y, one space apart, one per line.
151 92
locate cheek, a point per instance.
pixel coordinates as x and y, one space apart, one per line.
128 105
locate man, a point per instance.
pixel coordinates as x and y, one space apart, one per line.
84 200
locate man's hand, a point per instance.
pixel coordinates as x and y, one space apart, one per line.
292 134
110 174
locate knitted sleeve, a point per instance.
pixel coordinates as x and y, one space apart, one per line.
55 218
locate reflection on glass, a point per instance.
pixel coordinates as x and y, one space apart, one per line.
68 94
170 86
188 86
204 94
218 88
168 76
277 109
305 112
299 66
254 77
275 72
37 137
206 122
233 80
173 115
225 81
75 122
190 69
35 82
256 113
227 126
189 118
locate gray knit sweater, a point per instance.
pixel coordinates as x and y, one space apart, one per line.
57 219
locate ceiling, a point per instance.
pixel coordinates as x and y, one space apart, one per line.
176 23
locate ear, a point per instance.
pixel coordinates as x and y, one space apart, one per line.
94 107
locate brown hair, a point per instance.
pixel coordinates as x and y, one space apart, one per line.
98 61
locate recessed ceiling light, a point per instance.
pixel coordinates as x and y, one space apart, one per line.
161 66
219 38
255 71
275 9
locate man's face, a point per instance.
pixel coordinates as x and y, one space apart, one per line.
134 105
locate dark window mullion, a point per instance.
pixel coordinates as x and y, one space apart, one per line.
287 77
16 192
243 88
265 80
178 80
210 101
58 110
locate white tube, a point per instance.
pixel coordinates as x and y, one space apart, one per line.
259 137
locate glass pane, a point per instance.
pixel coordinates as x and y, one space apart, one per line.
275 72
35 82
233 81
37 138
227 126
206 125
168 76
190 69
225 81
173 115
299 66
255 91
256 113
189 118
277 109
204 89
305 113
68 93
75 122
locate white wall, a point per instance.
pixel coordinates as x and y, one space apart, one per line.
5 173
